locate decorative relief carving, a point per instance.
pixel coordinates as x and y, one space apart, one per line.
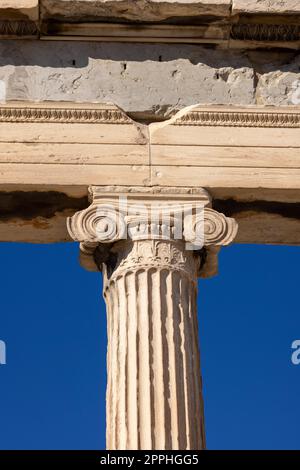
108 222
218 229
63 115
265 32
141 255
239 119
196 117
97 223
18 28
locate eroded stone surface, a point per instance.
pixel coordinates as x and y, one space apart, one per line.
138 10
141 10
152 79
19 9
282 88
279 85
265 6
157 79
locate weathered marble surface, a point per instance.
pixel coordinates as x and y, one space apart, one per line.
153 10
265 6
138 10
152 79
154 388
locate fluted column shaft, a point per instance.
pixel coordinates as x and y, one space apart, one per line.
154 397
142 239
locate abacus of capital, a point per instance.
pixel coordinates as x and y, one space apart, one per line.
154 392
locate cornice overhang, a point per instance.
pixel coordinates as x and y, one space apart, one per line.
224 23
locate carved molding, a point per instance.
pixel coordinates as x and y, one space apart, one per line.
18 28
222 32
196 22
104 114
277 33
245 118
107 223
265 32
219 230
143 255
66 115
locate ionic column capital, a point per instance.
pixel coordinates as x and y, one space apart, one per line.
125 213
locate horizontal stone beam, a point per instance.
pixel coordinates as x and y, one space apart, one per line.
160 10
227 23
182 21
38 216
149 81
139 10
247 158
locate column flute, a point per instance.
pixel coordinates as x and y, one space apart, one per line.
151 261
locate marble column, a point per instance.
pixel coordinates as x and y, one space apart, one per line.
154 391
154 398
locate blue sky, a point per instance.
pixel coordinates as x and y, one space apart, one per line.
52 318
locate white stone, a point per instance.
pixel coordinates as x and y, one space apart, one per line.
280 88
265 6
154 396
2 91
154 389
19 9
138 10
152 79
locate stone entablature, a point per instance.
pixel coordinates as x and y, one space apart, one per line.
141 10
73 161
228 23
159 10
50 153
